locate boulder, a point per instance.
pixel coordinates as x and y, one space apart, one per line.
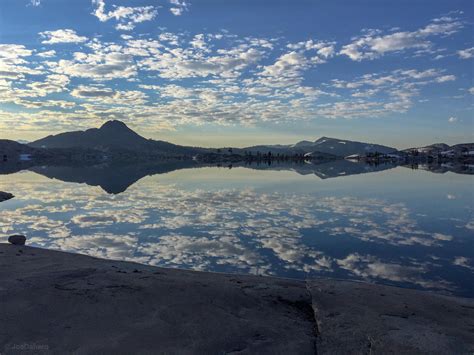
5 196
17 239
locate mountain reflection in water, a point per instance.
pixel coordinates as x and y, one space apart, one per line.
116 178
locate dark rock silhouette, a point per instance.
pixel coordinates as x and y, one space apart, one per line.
5 196
17 239
111 137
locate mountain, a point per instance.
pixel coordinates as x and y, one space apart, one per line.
13 150
429 149
463 150
112 136
303 144
22 141
334 146
114 141
274 149
343 148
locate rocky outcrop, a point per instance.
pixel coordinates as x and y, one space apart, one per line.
144 309
4 196
362 318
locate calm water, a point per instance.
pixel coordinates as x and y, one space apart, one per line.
398 226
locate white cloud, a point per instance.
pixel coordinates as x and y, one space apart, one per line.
13 53
466 53
47 54
178 7
187 63
445 78
184 78
373 45
35 2
288 65
452 119
104 95
105 63
381 94
471 90
13 63
127 17
62 36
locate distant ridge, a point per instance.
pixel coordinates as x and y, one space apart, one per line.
114 139
334 146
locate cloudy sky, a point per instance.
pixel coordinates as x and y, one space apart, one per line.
239 72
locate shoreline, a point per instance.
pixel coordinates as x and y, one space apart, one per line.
55 302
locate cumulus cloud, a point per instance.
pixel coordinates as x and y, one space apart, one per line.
127 17
466 53
178 7
14 65
373 44
105 63
381 94
47 54
288 65
184 78
452 119
104 95
186 63
15 68
445 78
52 83
13 53
61 36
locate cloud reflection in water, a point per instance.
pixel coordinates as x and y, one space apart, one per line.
234 230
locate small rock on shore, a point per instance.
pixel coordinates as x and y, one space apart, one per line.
17 239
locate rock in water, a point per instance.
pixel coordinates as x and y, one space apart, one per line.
17 239
5 196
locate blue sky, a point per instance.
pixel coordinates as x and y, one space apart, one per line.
240 72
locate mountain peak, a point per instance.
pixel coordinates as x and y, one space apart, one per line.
323 139
114 124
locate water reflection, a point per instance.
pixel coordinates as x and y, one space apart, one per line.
352 228
115 178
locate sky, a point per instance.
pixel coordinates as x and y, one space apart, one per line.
240 72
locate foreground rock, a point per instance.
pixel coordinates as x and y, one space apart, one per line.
360 318
17 239
66 303
54 302
5 196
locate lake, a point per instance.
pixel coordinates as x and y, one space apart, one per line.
391 225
